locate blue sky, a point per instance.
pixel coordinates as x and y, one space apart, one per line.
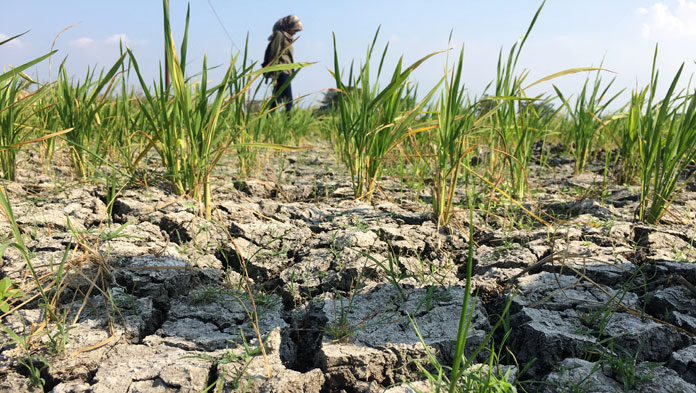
622 33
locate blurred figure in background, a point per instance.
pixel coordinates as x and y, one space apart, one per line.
279 51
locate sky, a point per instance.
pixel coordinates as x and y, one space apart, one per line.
621 35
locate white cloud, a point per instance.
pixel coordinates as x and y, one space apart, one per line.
665 21
82 42
116 38
394 38
110 41
645 30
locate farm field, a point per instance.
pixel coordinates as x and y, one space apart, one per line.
188 237
340 285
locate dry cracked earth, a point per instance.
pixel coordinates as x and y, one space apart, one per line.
153 298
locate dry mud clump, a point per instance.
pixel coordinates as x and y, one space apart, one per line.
155 298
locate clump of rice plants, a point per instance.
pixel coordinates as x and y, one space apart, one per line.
77 106
15 114
667 140
456 118
369 122
184 118
626 135
122 122
183 121
512 139
583 125
15 111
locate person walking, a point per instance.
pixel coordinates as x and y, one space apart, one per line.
279 51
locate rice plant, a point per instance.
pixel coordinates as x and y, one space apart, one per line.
583 125
183 120
121 123
77 105
244 117
368 122
15 111
513 139
455 120
464 375
292 128
626 135
667 140
517 122
15 114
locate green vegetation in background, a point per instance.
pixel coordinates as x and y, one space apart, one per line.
240 118
191 125
16 110
184 119
123 122
511 139
626 136
77 105
584 124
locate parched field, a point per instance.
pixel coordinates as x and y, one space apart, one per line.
347 295
190 237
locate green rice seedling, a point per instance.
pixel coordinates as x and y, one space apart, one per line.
245 118
33 365
250 121
13 110
184 119
18 243
624 365
77 105
282 128
517 122
115 180
626 136
415 166
296 128
184 127
582 128
121 124
46 119
667 140
16 111
242 379
455 120
287 129
161 120
466 314
543 122
8 292
339 328
393 270
368 122
462 376
512 139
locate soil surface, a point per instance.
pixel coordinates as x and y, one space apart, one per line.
348 296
